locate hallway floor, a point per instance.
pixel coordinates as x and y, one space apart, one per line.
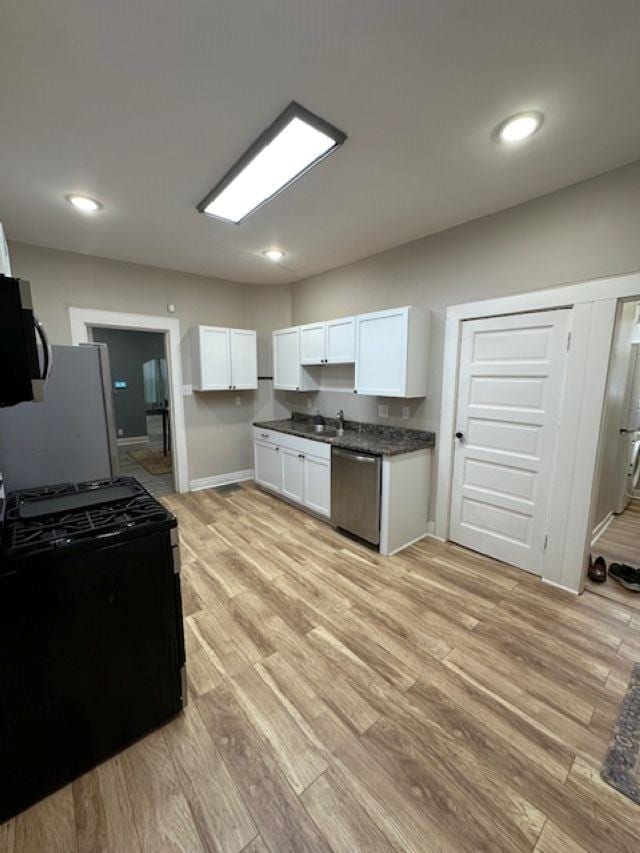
159 485
620 543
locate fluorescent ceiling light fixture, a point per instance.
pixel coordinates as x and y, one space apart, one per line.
274 254
84 203
295 142
519 127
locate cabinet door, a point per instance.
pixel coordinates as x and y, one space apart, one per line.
267 464
381 353
244 358
215 358
341 340
313 343
292 474
286 359
317 484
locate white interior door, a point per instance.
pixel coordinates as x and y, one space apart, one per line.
511 384
216 368
244 358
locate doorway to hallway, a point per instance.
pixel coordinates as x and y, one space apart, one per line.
141 403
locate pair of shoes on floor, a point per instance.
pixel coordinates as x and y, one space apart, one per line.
625 575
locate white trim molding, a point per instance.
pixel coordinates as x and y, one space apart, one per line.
83 319
599 529
221 480
132 439
572 501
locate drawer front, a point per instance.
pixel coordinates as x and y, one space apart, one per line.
267 435
319 449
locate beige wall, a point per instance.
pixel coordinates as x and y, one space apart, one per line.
589 230
218 431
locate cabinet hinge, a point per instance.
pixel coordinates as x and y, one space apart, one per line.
568 341
546 541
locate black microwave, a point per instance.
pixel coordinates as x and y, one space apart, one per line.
22 375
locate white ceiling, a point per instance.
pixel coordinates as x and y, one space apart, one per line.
144 104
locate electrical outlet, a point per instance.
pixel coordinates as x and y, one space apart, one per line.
187 390
406 412
383 410
309 403
120 432
238 400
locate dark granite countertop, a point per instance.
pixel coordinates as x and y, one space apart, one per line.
367 438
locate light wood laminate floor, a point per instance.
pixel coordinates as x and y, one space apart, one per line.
436 700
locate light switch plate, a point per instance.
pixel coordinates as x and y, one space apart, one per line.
383 410
238 400
406 412
187 390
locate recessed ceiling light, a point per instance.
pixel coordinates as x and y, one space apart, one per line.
84 203
295 142
519 127
274 254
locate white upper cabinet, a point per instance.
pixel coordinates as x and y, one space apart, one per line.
341 341
391 353
313 345
288 374
286 359
223 359
333 342
244 359
389 350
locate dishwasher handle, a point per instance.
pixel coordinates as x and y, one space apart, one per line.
355 457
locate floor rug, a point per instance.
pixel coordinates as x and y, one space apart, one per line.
153 461
621 767
227 489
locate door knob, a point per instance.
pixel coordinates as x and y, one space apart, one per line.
460 435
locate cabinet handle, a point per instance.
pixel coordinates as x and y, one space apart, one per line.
300 455
277 450
355 390
264 435
297 387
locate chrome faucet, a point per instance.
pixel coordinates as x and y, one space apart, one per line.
340 417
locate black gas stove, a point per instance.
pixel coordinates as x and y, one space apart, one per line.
77 515
91 638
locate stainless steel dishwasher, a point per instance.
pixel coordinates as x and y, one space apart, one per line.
355 493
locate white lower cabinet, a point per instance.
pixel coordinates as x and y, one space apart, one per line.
268 469
296 468
292 474
317 484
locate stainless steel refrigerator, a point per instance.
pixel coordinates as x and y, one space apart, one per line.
71 435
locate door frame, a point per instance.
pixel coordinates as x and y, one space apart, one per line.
83 319
571 507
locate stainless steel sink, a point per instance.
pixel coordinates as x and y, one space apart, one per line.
319 429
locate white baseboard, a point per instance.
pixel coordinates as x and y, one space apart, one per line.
133 439
221 480
560 586
599 529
